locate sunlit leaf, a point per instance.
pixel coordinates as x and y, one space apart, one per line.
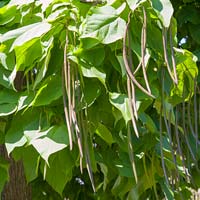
164 10
103 24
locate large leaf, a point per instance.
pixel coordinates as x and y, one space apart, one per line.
8 102
164 10
48 142
20 123
6 15
133 4
104 24
93 72
12 34
121 102
60 170
91 91
27 54
47 46
186 71
36 30
45 94
104 133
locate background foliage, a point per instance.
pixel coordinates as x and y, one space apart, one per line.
118 136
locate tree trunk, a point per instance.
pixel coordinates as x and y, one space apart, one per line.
16 188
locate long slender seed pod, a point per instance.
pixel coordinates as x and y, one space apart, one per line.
172 55
132 90
86 150
130 54
172 146
185 132
164 39
189 117
128 70
161 151
138 67
178 144
161 129
78 133
134 101
143 49
195 113
130 152
168 128
66 111
152 171
129 50
194 133
67 87
131 107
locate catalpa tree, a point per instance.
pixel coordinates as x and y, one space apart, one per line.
99 99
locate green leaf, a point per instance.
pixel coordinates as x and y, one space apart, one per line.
8 102
16 32
47 46
186 72
45 94
21 122
133 4
7 60
104 133
167 191
194 31
121 102
164 10
91 91
27 54
20 3
93 72
4 168
6 14
30 158
7 109
60 170
4 78
48 142
94 56
8 96
35 31
104 24
146 119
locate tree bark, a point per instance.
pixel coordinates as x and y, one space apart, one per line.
17 188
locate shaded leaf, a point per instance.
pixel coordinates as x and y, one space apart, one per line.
104 133
60 170
121 102
49 91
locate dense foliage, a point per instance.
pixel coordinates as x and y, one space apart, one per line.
101 100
